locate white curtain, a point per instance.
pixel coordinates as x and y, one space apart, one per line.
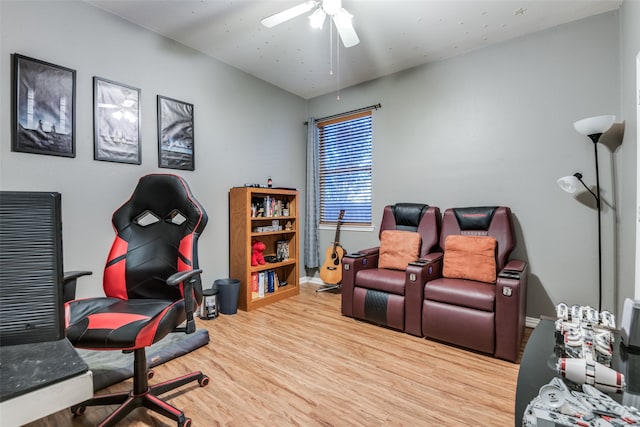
312 206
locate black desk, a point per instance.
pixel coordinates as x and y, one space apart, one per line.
39 379
28 367
538 367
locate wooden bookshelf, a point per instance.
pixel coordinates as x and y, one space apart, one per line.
247 224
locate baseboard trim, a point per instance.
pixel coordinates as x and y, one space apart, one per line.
311 280
530 322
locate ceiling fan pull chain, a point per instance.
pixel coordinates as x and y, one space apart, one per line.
330 48
337 69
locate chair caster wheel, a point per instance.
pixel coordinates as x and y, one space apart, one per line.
186 423
203 381
150 374
78 410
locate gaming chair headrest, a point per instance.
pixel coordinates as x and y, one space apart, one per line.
166 196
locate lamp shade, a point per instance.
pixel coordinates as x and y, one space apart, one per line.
568 183
594 125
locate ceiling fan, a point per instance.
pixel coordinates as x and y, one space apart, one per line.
333 8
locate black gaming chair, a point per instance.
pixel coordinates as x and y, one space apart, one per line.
152 285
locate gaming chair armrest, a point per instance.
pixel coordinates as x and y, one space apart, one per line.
69 283
181 276
186 277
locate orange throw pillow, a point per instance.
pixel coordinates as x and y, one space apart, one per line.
470 257
398 248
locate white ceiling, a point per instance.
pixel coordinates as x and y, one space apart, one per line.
394 34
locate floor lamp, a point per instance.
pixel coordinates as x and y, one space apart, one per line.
593 127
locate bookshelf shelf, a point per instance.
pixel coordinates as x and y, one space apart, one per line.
245 204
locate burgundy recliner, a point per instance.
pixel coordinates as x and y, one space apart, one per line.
388 297
486 317
152 285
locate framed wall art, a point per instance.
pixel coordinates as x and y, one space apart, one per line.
116 122
44 108
175 134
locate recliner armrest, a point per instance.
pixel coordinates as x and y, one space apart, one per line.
513 269
351 264
430 265
363 252
515 265
417 274
433 257
511 300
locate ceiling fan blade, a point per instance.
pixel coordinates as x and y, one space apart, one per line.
287 14
342 19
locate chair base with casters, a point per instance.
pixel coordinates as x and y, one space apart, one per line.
143 395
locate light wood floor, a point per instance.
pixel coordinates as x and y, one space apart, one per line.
300 363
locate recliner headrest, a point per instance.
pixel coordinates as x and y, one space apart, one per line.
476 218
408 215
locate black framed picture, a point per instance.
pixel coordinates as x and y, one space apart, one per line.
116 122
175 134
44 108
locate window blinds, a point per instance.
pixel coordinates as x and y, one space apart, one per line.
345 146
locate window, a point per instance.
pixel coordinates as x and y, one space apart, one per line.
345 169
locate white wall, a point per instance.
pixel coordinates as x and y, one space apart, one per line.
495 126
630 100
236 141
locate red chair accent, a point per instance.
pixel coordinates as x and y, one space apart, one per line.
152 285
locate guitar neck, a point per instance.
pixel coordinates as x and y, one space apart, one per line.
336 240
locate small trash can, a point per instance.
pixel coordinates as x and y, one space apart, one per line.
210 304
228 290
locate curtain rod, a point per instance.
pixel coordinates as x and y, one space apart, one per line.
359 110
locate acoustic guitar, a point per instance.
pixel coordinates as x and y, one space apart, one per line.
331 271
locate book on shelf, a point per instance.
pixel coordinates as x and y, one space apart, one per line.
254 285
264 282
261 283
270 282
268 207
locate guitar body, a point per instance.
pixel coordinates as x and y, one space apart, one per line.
331 271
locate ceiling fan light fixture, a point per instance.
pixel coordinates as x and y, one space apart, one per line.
316 19
319 11
331 7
